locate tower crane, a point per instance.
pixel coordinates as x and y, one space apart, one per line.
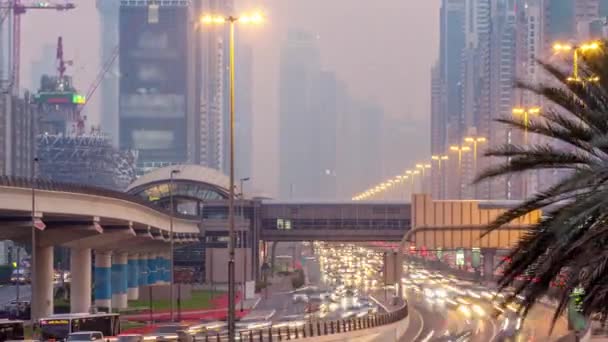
18 8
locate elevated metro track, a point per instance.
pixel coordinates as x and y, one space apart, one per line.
72 203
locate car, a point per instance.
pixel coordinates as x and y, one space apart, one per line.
85 336
169 332
300 297
130 338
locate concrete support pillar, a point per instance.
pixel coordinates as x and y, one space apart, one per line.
143 270
80 287
166 257
160 269
488 264
103 279
119 281
133 277
152 269
43 288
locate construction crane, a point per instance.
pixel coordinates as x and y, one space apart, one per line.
61 68
100 76
18 9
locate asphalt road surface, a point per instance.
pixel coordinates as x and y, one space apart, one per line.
9 293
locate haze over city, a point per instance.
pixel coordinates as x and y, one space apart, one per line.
382 50
269 170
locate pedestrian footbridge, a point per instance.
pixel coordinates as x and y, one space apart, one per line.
334 221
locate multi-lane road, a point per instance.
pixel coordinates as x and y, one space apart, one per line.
442 306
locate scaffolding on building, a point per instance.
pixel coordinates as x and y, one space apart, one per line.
86 159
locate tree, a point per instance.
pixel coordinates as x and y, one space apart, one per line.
572 237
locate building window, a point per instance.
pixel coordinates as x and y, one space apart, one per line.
283 224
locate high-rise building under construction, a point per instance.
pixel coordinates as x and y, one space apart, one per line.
66 151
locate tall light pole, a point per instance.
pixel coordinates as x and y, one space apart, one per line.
422 168
475 141
219 19
526 113
171 243
33 276
577 50
460 149
411 174
244 242
439 159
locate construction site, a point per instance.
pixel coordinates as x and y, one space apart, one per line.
68 151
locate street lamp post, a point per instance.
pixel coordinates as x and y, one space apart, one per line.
475 141
171 244
460 149
33 276
577 50
218 19
526 113
411 174
439 159
244 243
422 168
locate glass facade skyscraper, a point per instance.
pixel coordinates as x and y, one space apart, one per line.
153 96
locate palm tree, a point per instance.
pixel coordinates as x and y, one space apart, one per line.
572 237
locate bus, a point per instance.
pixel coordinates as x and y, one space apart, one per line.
58 327
11 330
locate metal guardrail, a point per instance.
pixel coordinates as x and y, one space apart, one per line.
49 185
311 329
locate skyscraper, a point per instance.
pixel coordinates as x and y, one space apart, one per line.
156 71
108 87
308 119
452 44
213 83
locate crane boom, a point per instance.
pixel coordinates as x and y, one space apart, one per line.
18 9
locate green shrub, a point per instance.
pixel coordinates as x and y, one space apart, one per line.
297 279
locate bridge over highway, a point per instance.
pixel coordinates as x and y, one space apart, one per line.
334 221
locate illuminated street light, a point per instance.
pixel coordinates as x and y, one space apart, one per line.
475 141
578 49
526 112
422 168
440 159
211 19
460 149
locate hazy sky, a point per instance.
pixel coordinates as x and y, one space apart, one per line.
382 49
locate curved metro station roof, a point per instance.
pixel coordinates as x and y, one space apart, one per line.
195 174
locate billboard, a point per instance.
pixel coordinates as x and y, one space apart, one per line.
154 81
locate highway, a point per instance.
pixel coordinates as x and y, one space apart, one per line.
445 306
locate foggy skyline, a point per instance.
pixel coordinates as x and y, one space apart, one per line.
383 51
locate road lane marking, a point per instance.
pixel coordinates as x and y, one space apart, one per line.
421 325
